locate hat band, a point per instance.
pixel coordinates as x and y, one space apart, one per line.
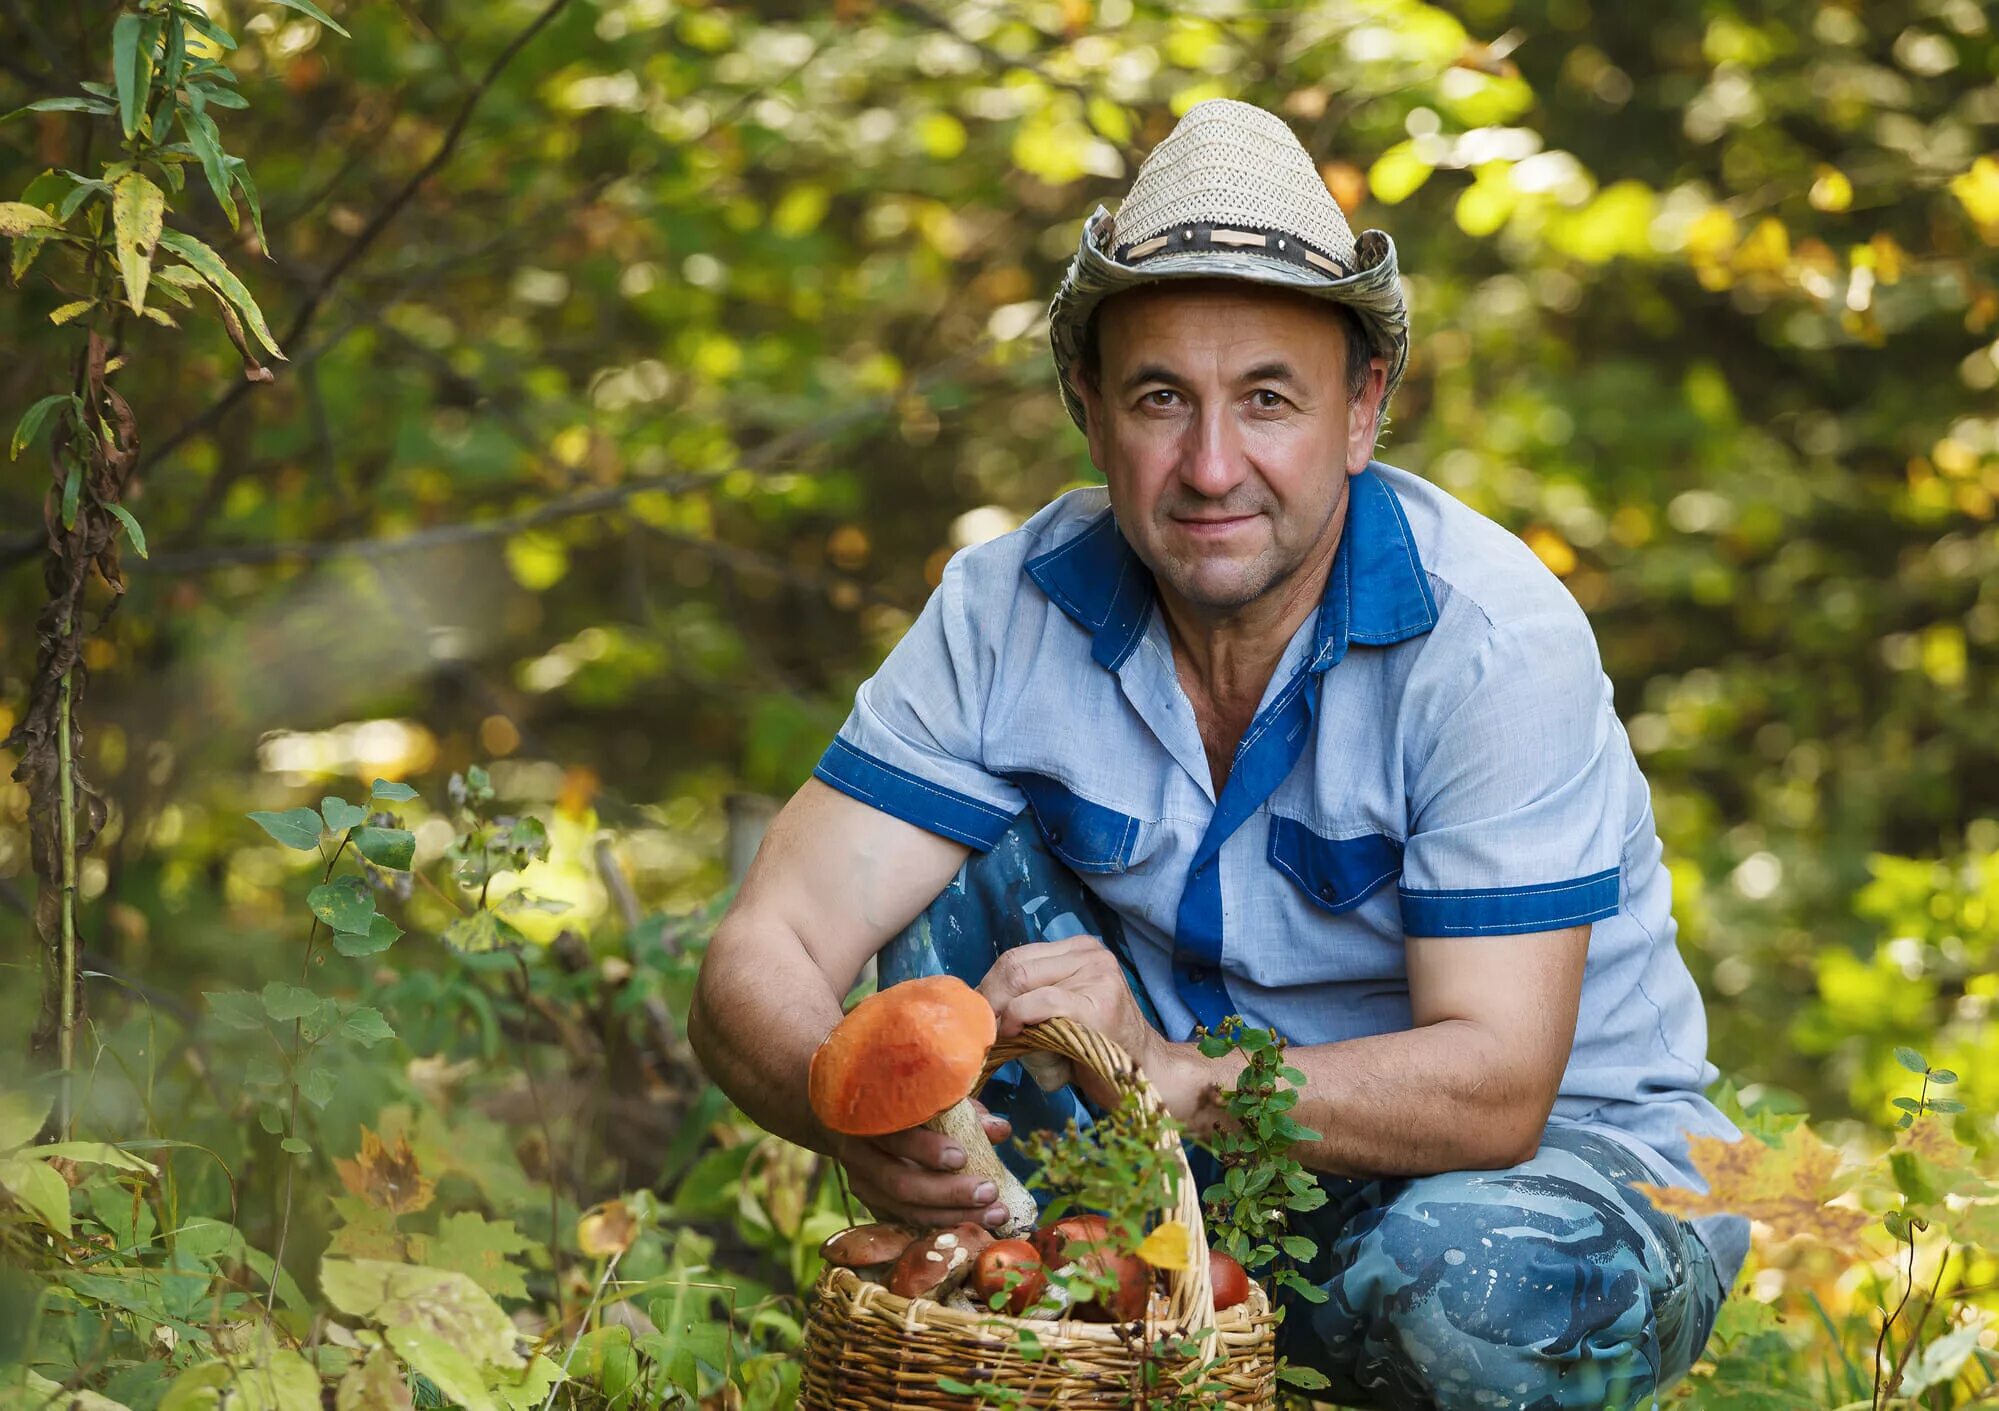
1276 244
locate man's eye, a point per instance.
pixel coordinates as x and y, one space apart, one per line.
1267 400
1160 397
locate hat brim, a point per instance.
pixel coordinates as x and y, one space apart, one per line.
1373 292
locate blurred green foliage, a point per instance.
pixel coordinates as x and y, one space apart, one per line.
622 445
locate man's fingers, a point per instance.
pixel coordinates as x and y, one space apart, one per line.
998 1128
891 1185
1050 1002
922 1147
1027 968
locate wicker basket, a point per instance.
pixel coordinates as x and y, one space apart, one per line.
868 1350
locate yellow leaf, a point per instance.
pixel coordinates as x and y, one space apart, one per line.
1784 1186
607 1229
19 218
941 135
1169 1246
537 561
1397 173
1832 191
63 315
1978 190
1552 549
137 210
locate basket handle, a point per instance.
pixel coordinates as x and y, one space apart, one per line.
1190 1293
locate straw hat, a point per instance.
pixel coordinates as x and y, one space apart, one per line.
1230 193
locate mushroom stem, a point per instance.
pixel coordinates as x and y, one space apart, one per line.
961 1123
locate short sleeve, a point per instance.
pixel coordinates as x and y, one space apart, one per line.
1517 812
913 745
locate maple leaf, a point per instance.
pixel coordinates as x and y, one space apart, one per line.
1784 1186
386 1176
468 1243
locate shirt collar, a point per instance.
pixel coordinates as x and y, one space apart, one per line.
1378 592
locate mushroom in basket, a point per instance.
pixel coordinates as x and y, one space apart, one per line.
908 1056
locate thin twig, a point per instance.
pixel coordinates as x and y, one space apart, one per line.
369 233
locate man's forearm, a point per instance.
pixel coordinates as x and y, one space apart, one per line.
1438 1098
755 1025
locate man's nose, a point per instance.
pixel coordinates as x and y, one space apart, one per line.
1214 462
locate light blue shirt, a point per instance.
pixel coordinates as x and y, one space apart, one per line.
1436 755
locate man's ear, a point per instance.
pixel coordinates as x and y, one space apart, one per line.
1364 417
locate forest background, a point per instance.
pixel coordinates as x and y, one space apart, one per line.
642 365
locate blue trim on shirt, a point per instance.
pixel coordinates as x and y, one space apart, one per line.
1507 911
1336 874
1378 592
946 812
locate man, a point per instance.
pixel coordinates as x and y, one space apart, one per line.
1238 694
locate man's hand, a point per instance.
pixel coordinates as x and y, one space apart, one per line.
918 1176
1075 979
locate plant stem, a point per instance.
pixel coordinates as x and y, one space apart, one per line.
66 961
596 1297
291 1116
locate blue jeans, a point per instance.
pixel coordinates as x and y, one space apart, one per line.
1550 1286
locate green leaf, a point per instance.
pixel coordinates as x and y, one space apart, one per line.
483 1250
474 934
306 7
201 24
138 209
72 495
530 1391
283 1002
219 97
1942 1075
341 815
365 1025
393 848
297 1146
240 170
296 827
131 37
40 1191
207 144
345 904
97 1153
1304 1378
455 1375
1912 1060
22 1114
138 535
375 1384
66 105
392 792
1946 1105
30 425
380 935
1908 1104
210 266
239 1009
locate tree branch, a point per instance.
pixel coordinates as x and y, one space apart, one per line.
357 247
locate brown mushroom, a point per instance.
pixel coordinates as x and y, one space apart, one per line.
908 1056
935 1265
867 1249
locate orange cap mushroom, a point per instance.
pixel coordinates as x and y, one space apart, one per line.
901 1056
908 1056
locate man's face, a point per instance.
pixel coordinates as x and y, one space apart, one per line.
1219 415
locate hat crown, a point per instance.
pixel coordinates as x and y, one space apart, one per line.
1233 164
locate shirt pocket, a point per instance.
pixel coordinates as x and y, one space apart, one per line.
1089 837
1335 874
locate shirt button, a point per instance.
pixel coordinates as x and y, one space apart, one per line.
1055 836
1326 891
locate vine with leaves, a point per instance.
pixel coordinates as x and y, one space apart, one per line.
103 242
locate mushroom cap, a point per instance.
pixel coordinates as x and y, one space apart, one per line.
901 1056
867 1245
938 1263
